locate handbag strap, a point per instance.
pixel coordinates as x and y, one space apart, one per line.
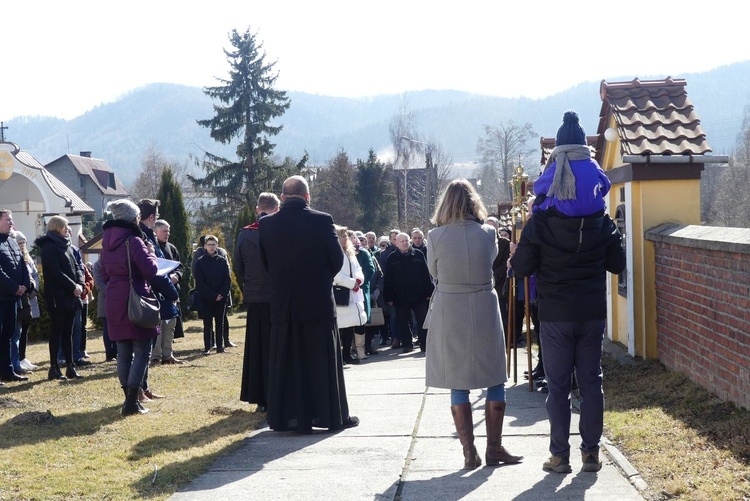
130 272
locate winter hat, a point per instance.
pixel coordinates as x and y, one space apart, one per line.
570 132
124 209
20 237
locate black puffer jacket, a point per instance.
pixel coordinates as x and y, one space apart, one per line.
248 266
13 271
61 272
407 279
571 257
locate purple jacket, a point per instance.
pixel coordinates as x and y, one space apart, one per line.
592 184
115 274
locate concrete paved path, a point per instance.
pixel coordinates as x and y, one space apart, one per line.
406 449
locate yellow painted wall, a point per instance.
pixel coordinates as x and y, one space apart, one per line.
653 203
647 204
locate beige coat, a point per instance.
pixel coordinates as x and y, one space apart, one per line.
466 340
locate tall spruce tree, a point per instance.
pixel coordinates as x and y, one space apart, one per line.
172 210
249 104
334 191
376 195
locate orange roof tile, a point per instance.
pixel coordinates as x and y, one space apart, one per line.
653 117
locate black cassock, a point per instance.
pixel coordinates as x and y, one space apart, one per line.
301 251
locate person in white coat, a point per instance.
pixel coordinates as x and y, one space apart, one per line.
353 314
466 348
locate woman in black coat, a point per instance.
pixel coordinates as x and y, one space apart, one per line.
63 286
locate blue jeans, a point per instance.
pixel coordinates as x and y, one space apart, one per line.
14 360
569 346
7 331
494 394
132 360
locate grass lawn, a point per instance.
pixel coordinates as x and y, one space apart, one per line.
67 439
686 443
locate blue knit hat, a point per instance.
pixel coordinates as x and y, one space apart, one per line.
570 132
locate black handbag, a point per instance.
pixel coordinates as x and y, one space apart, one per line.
24 309
142 311
341 295
194 301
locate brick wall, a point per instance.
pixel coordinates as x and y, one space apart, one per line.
703 306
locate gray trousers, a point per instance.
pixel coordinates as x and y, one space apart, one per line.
569 346
163 347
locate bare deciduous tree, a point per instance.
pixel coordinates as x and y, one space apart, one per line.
500 150
423 169
725 189
148 180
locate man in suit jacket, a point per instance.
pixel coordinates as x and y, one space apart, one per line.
301 252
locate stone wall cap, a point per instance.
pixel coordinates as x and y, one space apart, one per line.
716 238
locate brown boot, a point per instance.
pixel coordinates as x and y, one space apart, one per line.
494 413
465 429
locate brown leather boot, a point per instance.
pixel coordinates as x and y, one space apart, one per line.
494 413
465 429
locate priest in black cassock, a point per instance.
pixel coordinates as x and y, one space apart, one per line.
301 252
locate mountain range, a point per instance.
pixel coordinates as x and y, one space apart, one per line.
164 116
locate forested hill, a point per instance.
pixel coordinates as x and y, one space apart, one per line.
165 115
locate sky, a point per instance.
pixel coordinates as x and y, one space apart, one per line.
62 59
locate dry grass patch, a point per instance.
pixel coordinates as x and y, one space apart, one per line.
686 443
67 440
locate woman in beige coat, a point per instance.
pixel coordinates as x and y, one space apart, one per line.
466 348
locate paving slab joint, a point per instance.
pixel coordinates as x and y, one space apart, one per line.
410 452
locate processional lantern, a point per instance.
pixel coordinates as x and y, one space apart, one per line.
519 185
519 188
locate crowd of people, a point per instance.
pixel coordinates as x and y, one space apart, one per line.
310 313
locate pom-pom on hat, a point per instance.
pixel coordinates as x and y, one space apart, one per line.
570 132
124 209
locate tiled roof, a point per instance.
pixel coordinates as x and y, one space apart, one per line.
548 144
653 117
99 172
72 200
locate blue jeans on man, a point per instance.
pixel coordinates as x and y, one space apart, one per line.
14 352
575 346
